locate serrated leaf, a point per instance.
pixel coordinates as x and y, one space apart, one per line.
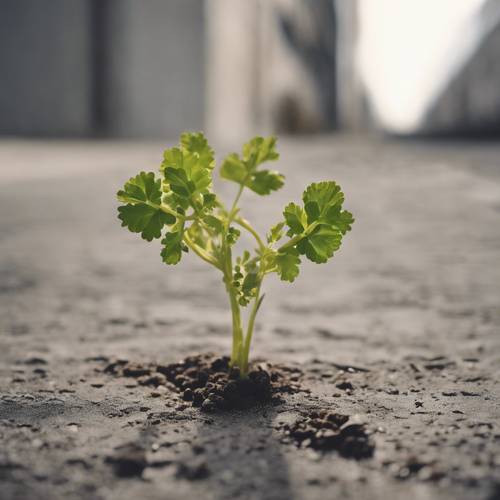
295 218
287 264
265 181
197 144
232 235
141 188
320 245
342 219
259 150
187 171
210 201
319 226
144 219
172 247
319 197
172 157
243 170
178 182
142 213
233 169
275 233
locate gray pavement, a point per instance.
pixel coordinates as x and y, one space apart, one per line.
413 296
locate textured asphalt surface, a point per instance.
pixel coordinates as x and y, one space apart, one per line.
413 297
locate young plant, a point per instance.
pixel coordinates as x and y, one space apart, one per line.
179 207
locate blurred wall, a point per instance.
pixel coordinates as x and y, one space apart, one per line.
154 67
271 66
45 61
101 67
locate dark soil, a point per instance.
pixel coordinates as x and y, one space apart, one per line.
209 383
326 430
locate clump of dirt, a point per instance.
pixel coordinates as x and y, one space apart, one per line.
325 430
208 382
128 461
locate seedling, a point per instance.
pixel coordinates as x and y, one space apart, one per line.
179 207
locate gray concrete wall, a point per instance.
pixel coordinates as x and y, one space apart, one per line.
101 67
45 80
156 67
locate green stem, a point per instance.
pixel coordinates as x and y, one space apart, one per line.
235 307
298 237
246 225
237 330
248 337
233 210
203 254
167 210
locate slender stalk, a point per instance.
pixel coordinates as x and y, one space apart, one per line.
233 210
248 337
237 330
200 252
246 225
166 209
298 237
235 307
228 277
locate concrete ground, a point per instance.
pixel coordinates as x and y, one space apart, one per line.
413 298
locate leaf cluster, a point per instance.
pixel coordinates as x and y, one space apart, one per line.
178 206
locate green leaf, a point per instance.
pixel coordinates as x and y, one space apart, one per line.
243 170
233 169
320 245
275 233
142 188
173 157
323 202
318 228
265 181
172 247
142 213
196 144
187 170
342 219
232 235
287 264
250 282
215 223
144 219
178 181
325 194
295 218
210 201
259 150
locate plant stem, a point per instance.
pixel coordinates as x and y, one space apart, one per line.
248 337
232 212
166 209
235 307
237 330
298 237
200 252
246 225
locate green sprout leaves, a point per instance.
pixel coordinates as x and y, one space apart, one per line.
142 212
287 264
172 247
244 170
178 206
316 229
